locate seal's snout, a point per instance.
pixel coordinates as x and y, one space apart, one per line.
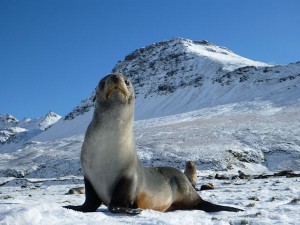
115 78
115 87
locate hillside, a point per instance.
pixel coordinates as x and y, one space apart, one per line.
181 75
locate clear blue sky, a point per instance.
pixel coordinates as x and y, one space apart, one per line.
53 52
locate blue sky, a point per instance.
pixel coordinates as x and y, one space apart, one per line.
53 52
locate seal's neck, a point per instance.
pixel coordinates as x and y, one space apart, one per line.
115 128
119 117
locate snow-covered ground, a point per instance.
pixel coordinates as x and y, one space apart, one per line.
270 201
253 136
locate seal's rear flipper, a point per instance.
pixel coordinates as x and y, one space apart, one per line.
210 207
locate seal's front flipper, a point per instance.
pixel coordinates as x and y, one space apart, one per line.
123 198
92 201
129 211
79 208
134 211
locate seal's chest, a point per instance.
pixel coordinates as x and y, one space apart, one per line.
101 160
102 166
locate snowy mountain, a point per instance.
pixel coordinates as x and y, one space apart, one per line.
163 68
174 77
194 101
14 133
182 75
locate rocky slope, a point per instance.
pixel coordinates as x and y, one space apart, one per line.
164 67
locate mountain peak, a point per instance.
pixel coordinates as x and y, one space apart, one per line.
15 133
202 48
7 119
49 119
166 66
51 114
187 42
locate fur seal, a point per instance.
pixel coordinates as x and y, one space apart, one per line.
114 176
191 173
76 191
208 186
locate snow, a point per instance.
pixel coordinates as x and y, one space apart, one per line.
218 54
42 204
64 128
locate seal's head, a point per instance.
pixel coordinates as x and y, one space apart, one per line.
190 165
114 88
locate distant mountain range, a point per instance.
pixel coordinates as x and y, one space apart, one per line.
13 132
172 77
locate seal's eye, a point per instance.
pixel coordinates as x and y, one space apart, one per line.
127 82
